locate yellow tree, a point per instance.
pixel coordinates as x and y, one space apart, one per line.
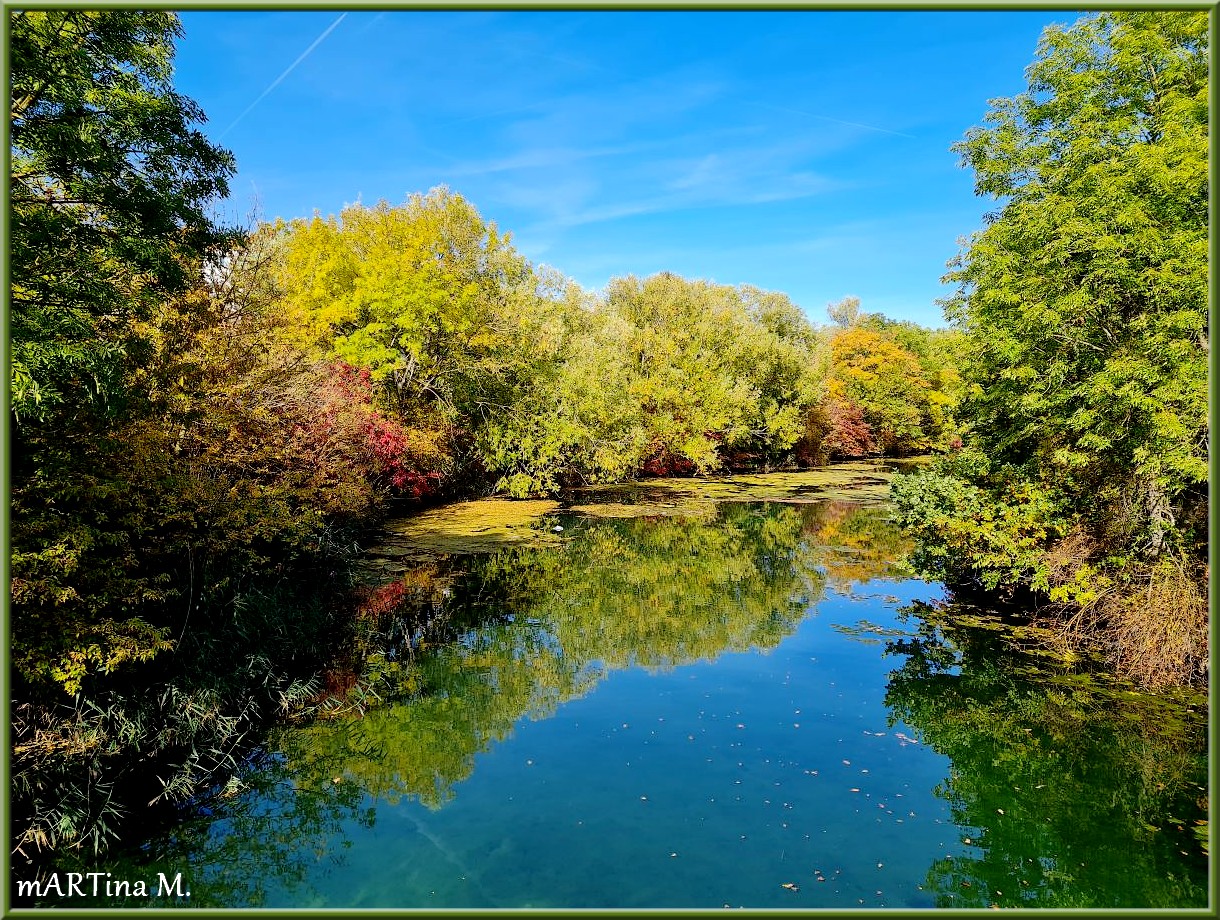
430 298
450 323
887 383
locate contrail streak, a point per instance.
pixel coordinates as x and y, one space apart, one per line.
280 79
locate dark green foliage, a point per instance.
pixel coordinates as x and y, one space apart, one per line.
131 747
1069 786
979 522
110 182
151 505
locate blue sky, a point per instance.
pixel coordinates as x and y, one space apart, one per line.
805 151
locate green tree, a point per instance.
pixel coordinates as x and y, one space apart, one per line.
110 182
1084 300
663 374
715 369
576 423
428 296
454 327
844 313
170 458
1084 308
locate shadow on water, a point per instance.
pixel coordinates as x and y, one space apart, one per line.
1060 790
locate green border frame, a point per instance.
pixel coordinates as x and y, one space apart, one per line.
1212 6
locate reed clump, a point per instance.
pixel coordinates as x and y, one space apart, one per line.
1152 628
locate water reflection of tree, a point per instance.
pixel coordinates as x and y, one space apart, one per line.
525 629
1071 793
542 626
244 846
661 594
853 543
459 657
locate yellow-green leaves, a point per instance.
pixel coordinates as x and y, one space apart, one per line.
427 296
666 374
1084 301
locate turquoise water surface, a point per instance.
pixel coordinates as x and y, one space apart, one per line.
752 707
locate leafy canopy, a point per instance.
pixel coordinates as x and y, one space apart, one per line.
1083 304
1084 300
110 183
430 298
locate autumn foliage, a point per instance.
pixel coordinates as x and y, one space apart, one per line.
207 422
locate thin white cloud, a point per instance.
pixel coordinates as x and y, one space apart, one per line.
543 158
839 121
575 214
280 79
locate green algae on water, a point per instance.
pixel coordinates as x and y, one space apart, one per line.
858 481
486 525
479 526
691 508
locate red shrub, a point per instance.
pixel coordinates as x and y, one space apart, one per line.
374 602
665 463
849 434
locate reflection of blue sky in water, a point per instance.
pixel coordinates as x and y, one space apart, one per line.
541 766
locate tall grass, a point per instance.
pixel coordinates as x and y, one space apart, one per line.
133 747
1153 628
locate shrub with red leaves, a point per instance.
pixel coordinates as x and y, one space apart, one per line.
392 458
849 434
381 600
354 382
392 455
665 463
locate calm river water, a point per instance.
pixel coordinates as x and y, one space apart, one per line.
702 701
